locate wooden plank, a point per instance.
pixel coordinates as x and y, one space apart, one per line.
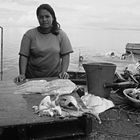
18 119
17 109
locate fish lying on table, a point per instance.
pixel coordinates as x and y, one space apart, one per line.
57 86
53 107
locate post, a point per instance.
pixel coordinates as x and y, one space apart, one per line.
1 52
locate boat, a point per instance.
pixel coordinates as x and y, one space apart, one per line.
133 48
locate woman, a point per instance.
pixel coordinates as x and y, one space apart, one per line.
45 50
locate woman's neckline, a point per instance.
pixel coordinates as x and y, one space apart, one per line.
43 30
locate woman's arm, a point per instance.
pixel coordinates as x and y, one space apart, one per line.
64 66
22 64
22 69
23 58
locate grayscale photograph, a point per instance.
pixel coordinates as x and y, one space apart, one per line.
70 69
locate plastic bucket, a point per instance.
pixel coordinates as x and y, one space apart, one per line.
97 74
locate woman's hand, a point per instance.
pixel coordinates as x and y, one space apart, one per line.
20 79
64 75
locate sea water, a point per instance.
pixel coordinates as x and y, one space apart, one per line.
94 44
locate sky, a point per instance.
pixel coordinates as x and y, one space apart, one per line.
112 14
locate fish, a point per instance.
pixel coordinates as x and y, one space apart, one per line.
68 101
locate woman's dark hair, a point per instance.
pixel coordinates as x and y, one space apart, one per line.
55 25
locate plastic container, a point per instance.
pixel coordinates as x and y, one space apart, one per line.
97 74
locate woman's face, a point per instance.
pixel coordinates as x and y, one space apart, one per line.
45 18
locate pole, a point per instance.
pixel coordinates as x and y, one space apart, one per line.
1 53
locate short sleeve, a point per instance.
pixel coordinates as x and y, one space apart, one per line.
25 45
65 45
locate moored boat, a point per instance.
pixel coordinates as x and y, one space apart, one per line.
133 48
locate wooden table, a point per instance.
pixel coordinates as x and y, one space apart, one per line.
17 118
